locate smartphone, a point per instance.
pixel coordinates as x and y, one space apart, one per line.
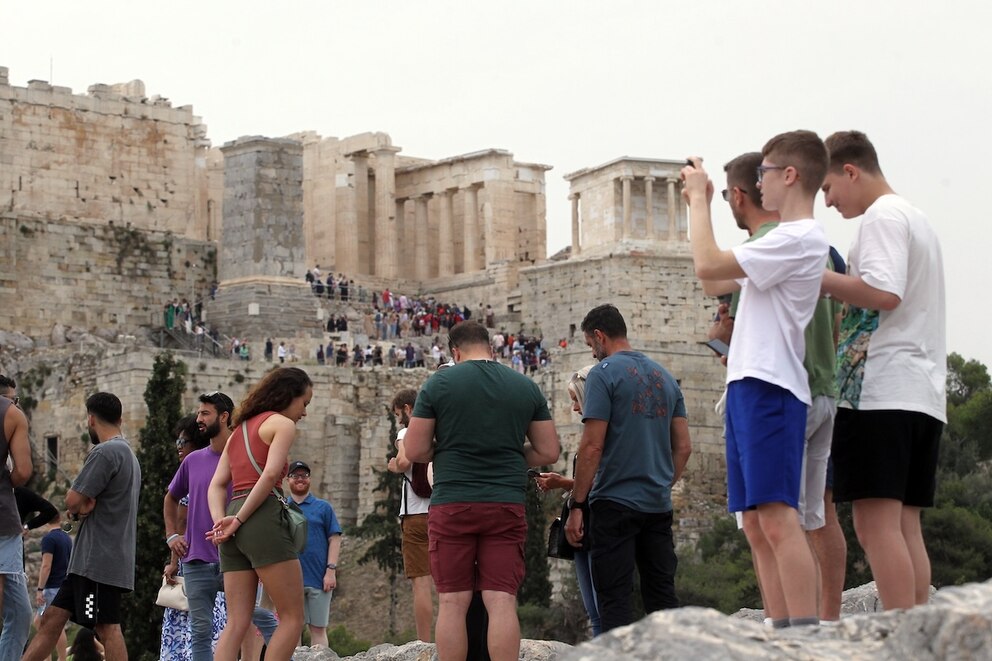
719 347
533 473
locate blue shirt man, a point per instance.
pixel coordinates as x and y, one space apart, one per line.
636 444
320 557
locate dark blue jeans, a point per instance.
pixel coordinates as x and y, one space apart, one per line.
622 538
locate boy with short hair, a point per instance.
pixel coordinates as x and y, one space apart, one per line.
892 369
779 276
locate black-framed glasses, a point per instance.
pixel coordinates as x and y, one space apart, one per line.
762 169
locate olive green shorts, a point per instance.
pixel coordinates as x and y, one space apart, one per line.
261 540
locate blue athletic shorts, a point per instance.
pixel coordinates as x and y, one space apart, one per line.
766 426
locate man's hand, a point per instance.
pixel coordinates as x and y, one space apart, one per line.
575 527
39 598
392 467
179 546
696 181
330 579
723 328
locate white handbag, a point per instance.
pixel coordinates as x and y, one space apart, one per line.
173 596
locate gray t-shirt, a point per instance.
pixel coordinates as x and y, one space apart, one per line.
104 548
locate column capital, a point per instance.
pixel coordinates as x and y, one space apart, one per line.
469 186
385 150
649 178
626 177
574 196
674 180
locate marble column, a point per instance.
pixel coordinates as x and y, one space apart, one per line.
404 239
576 238
628 227
673 211
422 258
649 206
385 238
471 227
356 246
445 241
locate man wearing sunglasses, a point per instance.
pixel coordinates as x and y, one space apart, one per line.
200 562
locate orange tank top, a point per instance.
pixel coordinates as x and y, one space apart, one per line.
243 474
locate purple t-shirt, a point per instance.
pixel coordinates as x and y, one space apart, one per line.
193 479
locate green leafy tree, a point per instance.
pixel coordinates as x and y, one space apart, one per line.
382 526
720 575
964 379
536 588
157 457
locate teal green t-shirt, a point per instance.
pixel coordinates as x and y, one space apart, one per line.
481 412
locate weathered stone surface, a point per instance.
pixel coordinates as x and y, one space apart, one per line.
15 340
58 334
957 624
530 650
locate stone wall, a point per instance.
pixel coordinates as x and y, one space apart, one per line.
111 154
96 277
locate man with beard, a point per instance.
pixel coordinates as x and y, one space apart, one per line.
413 520
104 497
200 562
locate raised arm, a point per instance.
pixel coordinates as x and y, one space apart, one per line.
711 263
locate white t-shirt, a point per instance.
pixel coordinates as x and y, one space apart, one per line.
784 269
896 359
411 503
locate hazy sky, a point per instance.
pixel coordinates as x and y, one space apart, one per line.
574 84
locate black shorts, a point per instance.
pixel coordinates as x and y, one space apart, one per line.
885 454
89 603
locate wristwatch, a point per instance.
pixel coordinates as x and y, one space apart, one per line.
332 565
576 505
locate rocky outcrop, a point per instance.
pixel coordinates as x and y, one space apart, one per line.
956 624
530 650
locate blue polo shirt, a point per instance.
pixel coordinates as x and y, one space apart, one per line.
322 524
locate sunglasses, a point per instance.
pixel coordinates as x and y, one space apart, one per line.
180 442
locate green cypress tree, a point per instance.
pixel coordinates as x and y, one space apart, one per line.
536 588
157 457
382 525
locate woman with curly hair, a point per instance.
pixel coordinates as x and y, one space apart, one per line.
253 543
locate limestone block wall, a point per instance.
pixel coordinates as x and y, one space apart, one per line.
99 277
111 154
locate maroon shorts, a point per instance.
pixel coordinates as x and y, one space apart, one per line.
477 546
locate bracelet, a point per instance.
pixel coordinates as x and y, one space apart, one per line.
168 540
41 589
332 565
239 519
